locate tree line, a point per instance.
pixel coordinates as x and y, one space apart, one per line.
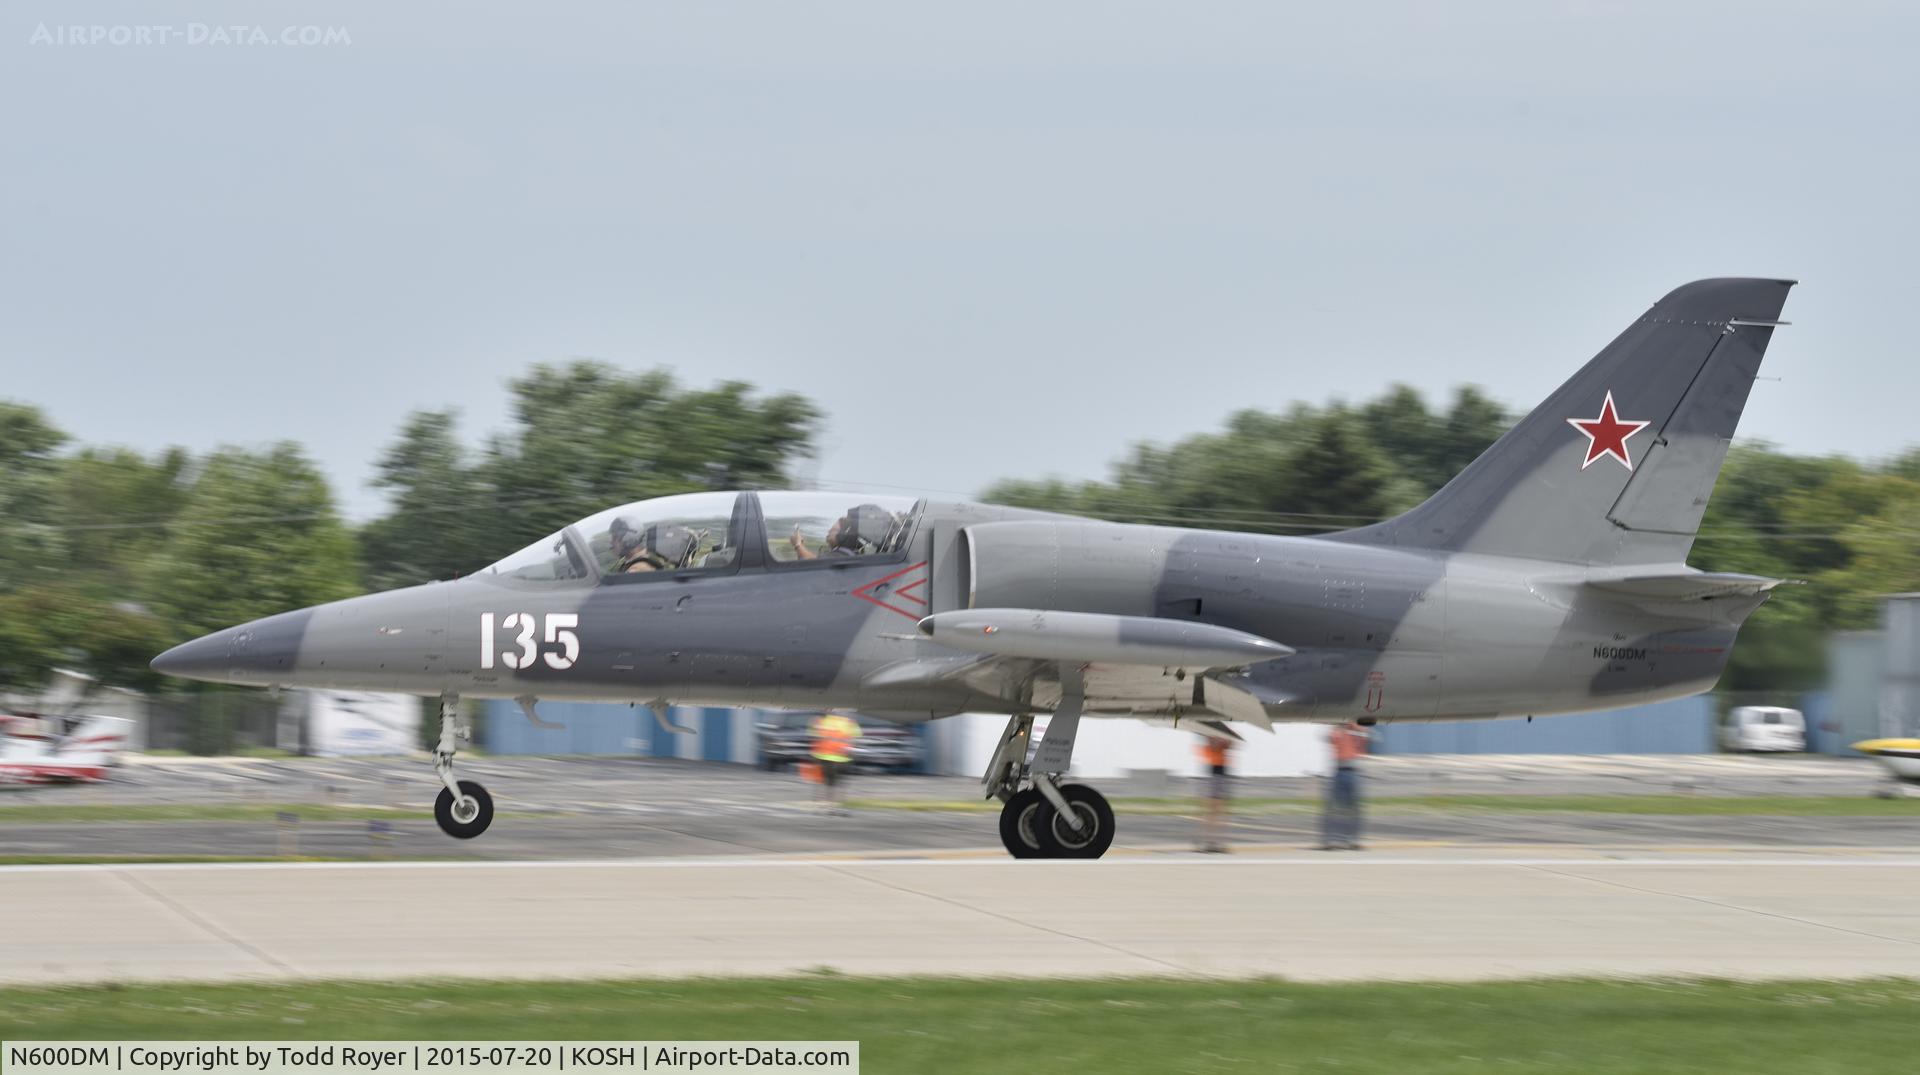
108 555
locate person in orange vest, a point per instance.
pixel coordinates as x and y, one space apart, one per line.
833 737
1340 818
1213 751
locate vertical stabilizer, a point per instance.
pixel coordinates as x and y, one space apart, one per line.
1616 466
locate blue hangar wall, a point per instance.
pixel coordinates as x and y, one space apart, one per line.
1685 726
1682 726
595 728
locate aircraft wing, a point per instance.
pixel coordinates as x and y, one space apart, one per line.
1129 665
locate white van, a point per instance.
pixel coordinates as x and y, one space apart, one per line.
1763 727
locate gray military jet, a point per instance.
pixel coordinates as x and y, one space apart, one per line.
1550 576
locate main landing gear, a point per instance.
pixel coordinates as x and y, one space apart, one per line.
464 809
1045 818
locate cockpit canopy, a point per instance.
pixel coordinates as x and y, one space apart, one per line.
715 533
671 533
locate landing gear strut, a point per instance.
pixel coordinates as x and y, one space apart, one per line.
464 809
1039 816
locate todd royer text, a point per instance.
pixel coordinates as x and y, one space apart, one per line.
326 1056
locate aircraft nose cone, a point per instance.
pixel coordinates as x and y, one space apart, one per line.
262 652
197 659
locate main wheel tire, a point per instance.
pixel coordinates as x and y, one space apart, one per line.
468 818
1056 834
1019 831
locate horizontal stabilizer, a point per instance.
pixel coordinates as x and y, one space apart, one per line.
1688 585
1044 634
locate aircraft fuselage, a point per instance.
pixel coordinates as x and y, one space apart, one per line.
1379 632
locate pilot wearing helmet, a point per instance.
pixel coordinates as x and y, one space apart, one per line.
629 553
862 531
659 547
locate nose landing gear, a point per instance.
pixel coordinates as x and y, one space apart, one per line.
467 815
464 809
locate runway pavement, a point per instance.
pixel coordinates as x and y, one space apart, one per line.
1430 916
657 867
723 828
559 808
591 782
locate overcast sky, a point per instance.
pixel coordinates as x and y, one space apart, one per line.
1009 240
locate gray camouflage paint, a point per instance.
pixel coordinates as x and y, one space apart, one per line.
1474 604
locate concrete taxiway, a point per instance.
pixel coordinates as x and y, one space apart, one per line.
1825 913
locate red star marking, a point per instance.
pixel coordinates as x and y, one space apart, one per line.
1607 434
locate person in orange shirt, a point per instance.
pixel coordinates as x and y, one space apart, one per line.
1213 752
1340 817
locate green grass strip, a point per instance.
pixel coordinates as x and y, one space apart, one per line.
960 1026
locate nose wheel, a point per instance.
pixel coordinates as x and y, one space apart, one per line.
466 815
464 809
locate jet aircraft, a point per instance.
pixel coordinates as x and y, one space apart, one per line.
1549 576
